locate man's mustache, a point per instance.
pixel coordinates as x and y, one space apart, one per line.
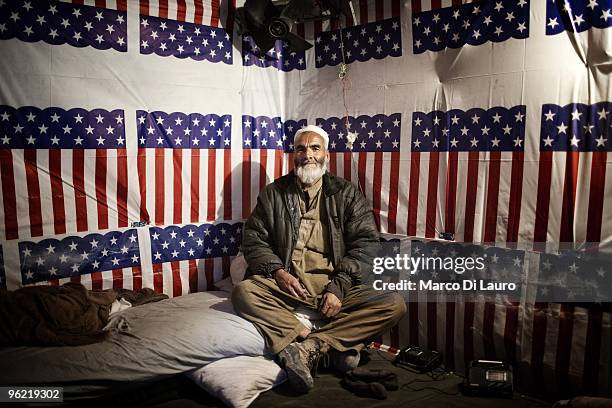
307 162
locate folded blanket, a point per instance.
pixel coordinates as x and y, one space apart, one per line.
67 315
140 297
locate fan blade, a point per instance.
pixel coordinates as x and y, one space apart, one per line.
263 40
259 12
297 9
297 43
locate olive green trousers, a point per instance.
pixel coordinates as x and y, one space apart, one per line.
365 314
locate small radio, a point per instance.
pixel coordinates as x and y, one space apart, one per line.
418 359
488 378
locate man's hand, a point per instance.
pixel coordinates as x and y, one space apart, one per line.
330 305
289 283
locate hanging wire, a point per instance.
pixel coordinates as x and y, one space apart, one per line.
346 85
344 80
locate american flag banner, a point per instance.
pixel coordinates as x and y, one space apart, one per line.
552 346
72 23
62 170
485 131
566 324
195 29
290 127
588 126
376 40
365 149
165 37
573 277
262 132
108 260
200 12
573 146
450 152
360 38
184 167
565 346
183 256
577 15
280 57
468 326
266 143
474 23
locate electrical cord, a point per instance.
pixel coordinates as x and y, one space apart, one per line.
346 85
434 375
406 387
437 372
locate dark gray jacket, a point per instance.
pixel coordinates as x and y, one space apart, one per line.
271 231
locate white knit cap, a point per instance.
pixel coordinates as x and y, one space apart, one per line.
314 129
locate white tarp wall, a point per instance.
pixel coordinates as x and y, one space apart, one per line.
135 137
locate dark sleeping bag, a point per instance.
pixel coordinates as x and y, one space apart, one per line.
64 315
67 315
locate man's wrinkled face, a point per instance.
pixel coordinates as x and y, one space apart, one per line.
310 157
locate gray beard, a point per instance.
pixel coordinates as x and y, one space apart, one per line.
309 174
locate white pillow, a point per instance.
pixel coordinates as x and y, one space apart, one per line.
238 268
238 381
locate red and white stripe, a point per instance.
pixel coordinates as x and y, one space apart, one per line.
120 5
184 277
171 278
122 278
474 195
213 13
427 5
180 186
180 277
561 349
57 191
552 347
565 349
377 175
259 168
572 198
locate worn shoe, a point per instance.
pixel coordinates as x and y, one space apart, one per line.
364 389
385 377
299 359
344 361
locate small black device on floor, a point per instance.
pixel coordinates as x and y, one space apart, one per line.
488 378
418 359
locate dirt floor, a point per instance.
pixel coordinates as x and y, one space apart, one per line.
416 390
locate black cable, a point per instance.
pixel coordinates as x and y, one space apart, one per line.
438 372
433 375
431 388
406 386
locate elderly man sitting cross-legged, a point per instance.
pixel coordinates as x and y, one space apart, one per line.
307 244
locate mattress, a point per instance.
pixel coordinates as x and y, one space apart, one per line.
147 342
